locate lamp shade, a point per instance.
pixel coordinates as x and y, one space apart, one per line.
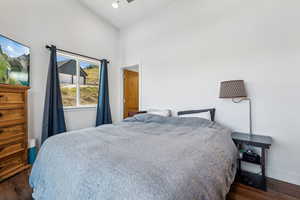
233 89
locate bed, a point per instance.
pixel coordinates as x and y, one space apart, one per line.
145 157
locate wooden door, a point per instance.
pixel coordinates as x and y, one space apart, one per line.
131 92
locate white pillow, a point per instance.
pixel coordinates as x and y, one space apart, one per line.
204 115
164 113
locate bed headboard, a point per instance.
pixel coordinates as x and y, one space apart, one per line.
212 112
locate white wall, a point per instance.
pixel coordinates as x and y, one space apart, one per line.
189 47
68 25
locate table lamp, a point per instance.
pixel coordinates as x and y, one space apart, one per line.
235 90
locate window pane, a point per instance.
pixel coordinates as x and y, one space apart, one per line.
67 78
89 83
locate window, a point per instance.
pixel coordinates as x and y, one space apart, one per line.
79 80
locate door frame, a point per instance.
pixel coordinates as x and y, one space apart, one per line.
126 67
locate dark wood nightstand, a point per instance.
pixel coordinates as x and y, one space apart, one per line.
260 141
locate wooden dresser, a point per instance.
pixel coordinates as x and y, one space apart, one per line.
13 130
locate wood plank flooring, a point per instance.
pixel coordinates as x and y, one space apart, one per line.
17 188
243 192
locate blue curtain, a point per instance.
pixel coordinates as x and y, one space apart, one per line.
54 119
103 107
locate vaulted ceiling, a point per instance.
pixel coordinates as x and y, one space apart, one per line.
127 13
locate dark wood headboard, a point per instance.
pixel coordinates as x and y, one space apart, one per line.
131 114
212 112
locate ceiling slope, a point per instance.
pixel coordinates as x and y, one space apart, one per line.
128 13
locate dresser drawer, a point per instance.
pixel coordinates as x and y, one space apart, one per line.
11 148
11 114
11 132
10 164
11 98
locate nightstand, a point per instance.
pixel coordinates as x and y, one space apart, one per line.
259 141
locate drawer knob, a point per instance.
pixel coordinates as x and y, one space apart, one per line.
1 114
3 97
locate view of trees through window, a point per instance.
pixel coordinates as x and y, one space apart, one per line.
79 81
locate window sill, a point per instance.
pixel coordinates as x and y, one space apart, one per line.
77 108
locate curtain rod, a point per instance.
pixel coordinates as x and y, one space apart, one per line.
77 54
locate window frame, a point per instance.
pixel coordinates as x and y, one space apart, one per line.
78 58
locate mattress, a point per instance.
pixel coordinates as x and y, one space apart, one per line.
146 157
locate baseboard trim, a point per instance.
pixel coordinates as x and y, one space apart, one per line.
283 187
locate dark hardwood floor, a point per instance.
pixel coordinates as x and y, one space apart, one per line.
243 192
17 188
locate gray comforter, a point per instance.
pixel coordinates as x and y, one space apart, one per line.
147 157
